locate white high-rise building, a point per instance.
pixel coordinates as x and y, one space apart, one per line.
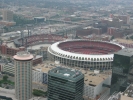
23 75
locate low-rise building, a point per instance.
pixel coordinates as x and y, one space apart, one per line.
8 69
40 73
96 85
127 43
126 95
37 59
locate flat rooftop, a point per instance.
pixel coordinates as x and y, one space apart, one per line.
66 73
93 79
45 66
37 47
125 52
125 98
42 68
89 76
123 41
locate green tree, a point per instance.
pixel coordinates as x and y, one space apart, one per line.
5 28
39 93
5 78
112 37
8 59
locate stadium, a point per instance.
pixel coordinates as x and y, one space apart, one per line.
38 39
86 54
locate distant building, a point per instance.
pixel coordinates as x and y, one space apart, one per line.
65 84
113 22
7 15
125 42
7 23
39 19
37 59
40 51
125 18
125 26
122 70
5 50
111 30
23 75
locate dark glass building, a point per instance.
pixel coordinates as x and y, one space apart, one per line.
65 84
122 70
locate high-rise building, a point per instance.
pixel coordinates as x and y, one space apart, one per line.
122 71
65 84
23 75
7 15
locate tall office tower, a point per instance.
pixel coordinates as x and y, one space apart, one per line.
23 75
7 15
122 70
65 84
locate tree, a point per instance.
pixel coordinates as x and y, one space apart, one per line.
112 37
127 37
5 28
39 92
5 78
8 59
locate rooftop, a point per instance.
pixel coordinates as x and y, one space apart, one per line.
129 92
37 56
43 68
90 77
123 41
93 78
23 55
66 73
125 98
125 52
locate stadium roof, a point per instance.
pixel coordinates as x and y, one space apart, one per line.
55 50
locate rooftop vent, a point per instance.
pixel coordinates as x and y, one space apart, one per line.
66 74
86 80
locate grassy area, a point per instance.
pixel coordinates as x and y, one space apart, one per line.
6 81
39 93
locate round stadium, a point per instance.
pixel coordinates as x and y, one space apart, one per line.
86 54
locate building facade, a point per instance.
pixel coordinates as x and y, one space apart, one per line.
37 76
122 71
65 84
96 85
23 75
7 15
5 50
8 69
